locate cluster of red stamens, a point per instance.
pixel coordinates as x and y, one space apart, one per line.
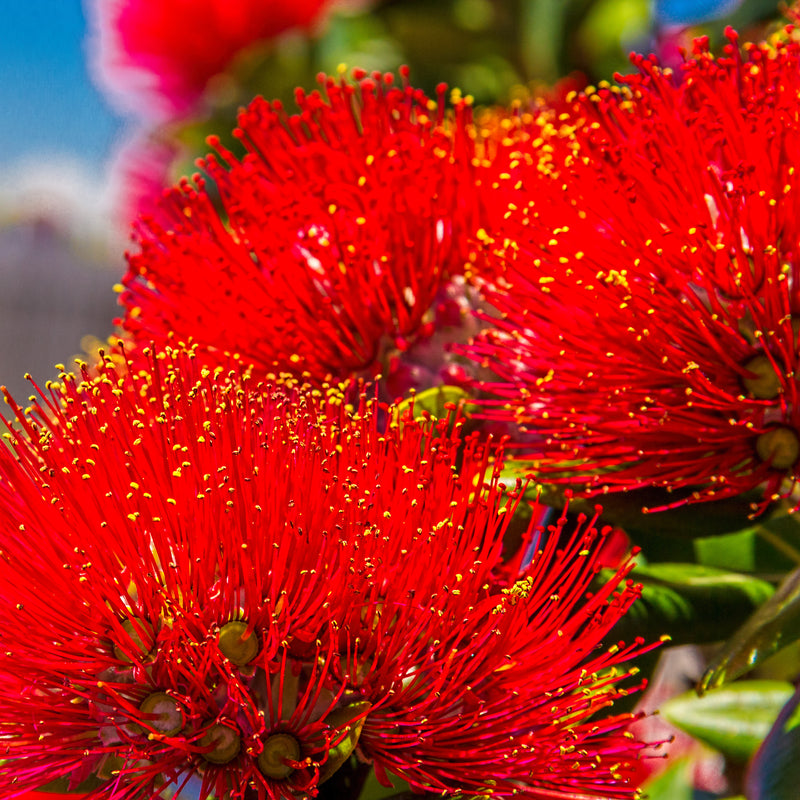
330 247
649 311
208 578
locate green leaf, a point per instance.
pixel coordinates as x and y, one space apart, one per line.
352 716
773 626
437 401
674 783
770 546
374 791
734 719
774 773
743 551
690 602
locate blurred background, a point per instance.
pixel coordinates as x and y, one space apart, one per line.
94 123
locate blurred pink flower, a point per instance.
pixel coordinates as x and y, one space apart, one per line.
140 171
156 56
678 670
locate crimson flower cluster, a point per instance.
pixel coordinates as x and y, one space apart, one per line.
336 246
649 314
205 578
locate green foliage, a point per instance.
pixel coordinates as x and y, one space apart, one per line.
710 519
690 602
341 752
770 546
674 783
374 791
773 626
689 522
775 771
437 401
734 719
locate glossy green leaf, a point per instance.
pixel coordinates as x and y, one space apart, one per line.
690 602
771 546
774 773
734 719
773 626
743 551
353 717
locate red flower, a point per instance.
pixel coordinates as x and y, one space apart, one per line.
212 581
650 303
158 55
340 243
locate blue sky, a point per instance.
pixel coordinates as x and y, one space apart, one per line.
48 104
47 101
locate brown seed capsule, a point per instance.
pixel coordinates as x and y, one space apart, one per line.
227 744
780 445
765 383
235 645
163 713
278 747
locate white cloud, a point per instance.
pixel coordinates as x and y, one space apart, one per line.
72 195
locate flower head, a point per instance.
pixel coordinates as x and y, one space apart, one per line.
338 244
204 579
159 56
650 311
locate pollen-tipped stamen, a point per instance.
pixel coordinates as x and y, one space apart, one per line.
277 749
780 446
237 647
162 713
227 744
766 385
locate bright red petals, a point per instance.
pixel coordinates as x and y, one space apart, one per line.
212 580
649 303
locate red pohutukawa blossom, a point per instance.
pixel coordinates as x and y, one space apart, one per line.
157 56
338 243
650 307
204 579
